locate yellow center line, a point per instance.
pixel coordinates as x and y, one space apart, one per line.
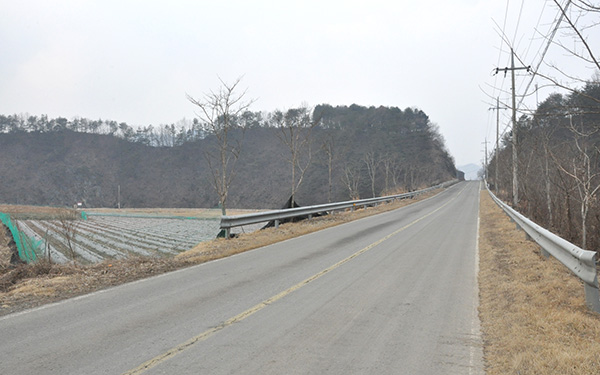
238 318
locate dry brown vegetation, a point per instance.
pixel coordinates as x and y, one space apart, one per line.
5 252
205 213
26 286
533 312
33 212
44 212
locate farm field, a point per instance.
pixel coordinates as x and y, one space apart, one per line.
116 234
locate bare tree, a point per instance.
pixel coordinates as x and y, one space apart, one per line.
329 149
396 171
372 162
295 128
410 176
351 179
219 113
580 21
584 169
68 224
546 167
390 162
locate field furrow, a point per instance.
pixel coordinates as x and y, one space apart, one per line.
115 237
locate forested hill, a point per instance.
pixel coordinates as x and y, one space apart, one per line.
351 152
558 165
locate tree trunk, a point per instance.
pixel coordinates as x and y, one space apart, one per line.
569 216
548 199
330 182
584 211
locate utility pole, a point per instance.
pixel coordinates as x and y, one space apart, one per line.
497 109
515 182
497 136
485 170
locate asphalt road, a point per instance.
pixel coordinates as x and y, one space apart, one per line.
395 293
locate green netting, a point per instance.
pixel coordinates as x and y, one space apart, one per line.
26 246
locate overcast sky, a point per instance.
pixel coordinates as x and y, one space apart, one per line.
134 61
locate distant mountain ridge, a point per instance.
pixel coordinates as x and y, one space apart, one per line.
471 171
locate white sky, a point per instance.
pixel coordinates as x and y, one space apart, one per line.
134 61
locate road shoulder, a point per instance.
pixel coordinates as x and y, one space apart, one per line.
533 313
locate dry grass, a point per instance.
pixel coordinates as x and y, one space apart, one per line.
27 286
37 212
5 252
533 312
42 287
45 212
19 209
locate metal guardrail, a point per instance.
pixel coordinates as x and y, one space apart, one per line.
581 262
228 222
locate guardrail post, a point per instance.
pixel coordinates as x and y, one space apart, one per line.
592 296
276 223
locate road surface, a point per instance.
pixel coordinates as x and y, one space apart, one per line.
394 293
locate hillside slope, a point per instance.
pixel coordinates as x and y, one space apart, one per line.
62 167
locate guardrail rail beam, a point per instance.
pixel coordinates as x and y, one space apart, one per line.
228 222
580 262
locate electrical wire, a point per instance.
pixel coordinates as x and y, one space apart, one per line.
518 22
525 56
501 51
549 37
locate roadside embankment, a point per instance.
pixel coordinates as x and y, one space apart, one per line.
533 313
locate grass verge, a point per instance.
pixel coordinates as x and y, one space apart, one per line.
533 313
27 286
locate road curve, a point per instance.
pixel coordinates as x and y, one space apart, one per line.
394 293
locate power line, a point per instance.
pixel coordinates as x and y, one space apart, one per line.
534 32
518 21
525 56
502 41
551 37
